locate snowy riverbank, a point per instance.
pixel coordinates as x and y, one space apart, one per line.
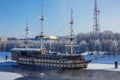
9 76
105 67
105 62
6 75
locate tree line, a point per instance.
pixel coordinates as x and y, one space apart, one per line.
106 41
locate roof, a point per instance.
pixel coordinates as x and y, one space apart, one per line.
53 37
25 49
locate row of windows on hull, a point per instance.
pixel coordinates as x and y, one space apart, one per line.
48 61
54 65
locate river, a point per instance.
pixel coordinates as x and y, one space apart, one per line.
37 73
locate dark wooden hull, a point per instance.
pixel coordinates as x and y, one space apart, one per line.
36 58
64 64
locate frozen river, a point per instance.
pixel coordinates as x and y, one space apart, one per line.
35 73
95 71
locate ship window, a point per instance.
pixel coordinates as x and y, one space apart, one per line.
24 53
28 59
44 60
50 61
68 65
45 64
36 59
57 65
57 61
72 65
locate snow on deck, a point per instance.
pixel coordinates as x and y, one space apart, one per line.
25 49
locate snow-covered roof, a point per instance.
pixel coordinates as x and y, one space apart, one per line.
25 49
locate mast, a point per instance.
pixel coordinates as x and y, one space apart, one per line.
41 26
96 26
26 36
71 33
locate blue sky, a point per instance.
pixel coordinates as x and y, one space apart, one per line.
13 16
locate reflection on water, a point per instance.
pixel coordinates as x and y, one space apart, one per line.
37 73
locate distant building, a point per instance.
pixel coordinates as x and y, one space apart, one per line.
46 38
3 39
13 38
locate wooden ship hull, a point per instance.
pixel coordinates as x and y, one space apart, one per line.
71 64
35 58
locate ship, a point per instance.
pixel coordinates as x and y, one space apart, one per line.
43 58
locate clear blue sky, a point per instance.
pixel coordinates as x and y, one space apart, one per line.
13 15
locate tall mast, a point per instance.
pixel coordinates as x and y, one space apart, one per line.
71 33
41 26
96 26
26 36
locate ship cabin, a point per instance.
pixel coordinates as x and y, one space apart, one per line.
43 54
26 52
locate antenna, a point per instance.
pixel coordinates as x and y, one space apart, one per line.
41 26
26 37
71 34
96 26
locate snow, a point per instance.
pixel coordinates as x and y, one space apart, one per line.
3 62
8 62
25 49
9 76
104 62
100 66
105 59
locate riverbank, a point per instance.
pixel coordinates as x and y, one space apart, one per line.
9 76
